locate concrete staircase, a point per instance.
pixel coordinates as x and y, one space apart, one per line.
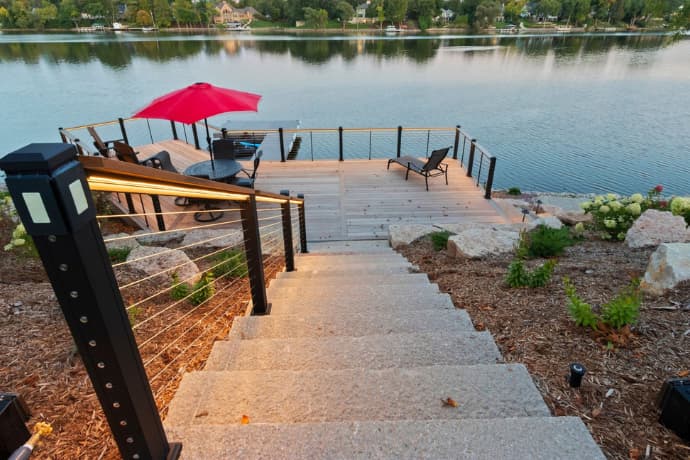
355 361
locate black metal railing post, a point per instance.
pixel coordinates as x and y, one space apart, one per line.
282 145
399 141
160 221
340 143
302 225
62 135
490 178
255 262
470 159
174 129
456 144
287 233
49 190
123 130
196 136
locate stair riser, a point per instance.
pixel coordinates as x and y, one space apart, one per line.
405 280
354 303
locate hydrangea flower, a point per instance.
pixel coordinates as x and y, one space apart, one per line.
19 242
615 205
634 208
609 223
621 236
579 227
637 198
586 205
604 209
611 196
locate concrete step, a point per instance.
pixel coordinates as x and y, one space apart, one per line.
337 261
359 301
535 438
352 279
481 391
370 352
349 247
336 273
349 324
404 267
384 256
328 291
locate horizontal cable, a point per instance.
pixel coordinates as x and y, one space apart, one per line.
167 213
268 209
177 230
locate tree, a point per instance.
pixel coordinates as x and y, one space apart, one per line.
512 9
67 12
144 19
634 10
315 18
184 12
345 12
162 13
423 11
486 13
548 7
395 10
46 12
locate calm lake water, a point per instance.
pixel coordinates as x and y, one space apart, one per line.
562 113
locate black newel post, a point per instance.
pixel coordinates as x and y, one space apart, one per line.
340 143
399 141
287 233
490 178
255 262
123 130
62 135
174 129
470 159
302 225
49 190
282 144
457 142
196 136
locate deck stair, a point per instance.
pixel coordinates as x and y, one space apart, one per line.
354 362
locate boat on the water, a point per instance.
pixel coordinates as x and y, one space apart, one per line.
391 29
237 26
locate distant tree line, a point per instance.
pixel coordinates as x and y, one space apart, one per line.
40 14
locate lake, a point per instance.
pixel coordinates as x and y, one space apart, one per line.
580 113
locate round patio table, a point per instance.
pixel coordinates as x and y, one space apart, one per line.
221 170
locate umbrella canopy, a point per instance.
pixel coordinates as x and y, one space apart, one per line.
198 101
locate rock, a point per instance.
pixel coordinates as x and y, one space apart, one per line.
148 238
668 266
214 238
479 242
401 235
566 203
153 260
573 218
655 227
549 221
121 241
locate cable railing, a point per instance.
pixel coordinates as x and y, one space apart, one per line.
314 144
146 307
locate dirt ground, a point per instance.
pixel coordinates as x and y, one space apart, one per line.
532 326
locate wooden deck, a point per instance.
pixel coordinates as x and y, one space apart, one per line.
354 199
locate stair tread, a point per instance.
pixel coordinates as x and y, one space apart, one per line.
348 323
482 391
536 438
371 352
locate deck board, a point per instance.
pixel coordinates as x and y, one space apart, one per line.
353 199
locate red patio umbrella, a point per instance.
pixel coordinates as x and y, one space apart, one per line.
197 101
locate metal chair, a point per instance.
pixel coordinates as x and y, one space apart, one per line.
160 160
251 174
433 166
103 147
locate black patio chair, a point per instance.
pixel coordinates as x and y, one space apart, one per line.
160 160
433 166
224 149
251 174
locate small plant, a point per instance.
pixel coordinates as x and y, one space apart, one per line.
133 314
579 310
203 289
118 255
544 241
519 276
440 239
232 263
623 309
179 290
514 191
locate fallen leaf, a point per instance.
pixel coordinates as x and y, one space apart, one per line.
684 373
449 402
634 453
596 412
202 414
479 326
245 420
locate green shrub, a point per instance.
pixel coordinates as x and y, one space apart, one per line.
579 310
203 289
232 263
514 191
118 255
624 308
519 276
440 239
680 206
179 290
545 241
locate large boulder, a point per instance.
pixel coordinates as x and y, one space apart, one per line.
148 238
655 227
214 238
401 235
573 218
120 241
154 260
479 242
668 266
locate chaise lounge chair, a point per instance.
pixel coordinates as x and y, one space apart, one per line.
161 160
103 147
433 166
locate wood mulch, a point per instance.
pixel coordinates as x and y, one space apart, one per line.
532 326
39 361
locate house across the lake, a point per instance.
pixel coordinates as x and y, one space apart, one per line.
229 14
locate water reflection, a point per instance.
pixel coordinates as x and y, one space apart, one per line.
120 53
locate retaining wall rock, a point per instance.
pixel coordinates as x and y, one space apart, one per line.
655 227
154 260
479 242
668 266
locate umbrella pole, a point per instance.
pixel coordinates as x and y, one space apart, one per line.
210 146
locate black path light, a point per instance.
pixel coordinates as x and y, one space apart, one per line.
577 371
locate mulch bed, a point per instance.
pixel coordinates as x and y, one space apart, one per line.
39 361
532 326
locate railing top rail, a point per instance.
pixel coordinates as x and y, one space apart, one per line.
109 175
94 125
483 150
